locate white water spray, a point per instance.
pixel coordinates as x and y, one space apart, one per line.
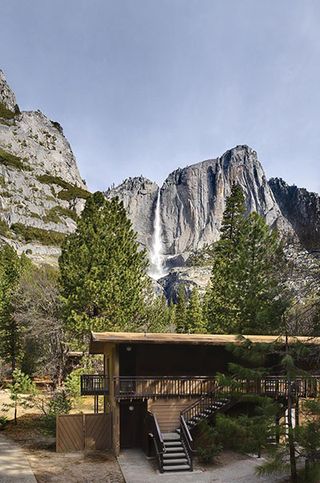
156 258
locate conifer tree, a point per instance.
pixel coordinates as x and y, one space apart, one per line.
103 271
181 310
11 332
245 295
194 316
222 308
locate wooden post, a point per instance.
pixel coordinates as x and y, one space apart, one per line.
115 405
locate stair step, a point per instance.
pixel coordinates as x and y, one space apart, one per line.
174 449
170 444
170 436
185 467
176 454
177 461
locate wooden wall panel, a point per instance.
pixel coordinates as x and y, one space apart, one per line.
69 434
78 432
167 412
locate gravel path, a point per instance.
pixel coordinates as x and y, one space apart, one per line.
14 466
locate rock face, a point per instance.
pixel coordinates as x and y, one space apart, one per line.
139 196
41 191
302 209
193 199
7 96
193 202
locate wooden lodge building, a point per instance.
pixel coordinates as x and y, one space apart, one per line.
159 386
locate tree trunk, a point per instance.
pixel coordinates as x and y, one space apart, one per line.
15 412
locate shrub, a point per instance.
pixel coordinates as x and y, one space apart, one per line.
54 214
3 422
11 160
69 191
5 112
72 193
46 237
60 403
4 228
207 444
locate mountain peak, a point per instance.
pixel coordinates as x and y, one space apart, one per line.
8 100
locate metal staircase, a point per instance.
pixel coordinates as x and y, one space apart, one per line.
205 408
175 456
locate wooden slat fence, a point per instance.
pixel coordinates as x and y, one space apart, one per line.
78 432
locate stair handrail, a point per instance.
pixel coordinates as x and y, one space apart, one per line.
156 435
187 441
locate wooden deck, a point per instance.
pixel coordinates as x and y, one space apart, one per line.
188 387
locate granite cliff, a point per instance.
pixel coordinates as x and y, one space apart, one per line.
41 190
302 209
193 201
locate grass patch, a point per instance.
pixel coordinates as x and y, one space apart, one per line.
30 233
2 182
11 161
53 215
69 192
5 112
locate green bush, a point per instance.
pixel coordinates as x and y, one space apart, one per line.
207 444
53 215
5 112
11 160
4 228
3 422
69 192
60 403
73 193
49 179
46 237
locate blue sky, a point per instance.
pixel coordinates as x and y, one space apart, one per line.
146 86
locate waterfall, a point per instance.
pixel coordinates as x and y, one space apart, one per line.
156 258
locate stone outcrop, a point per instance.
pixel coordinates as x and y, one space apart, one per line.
139 196
7 96
302 209
41 190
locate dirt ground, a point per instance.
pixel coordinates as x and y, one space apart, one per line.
51 467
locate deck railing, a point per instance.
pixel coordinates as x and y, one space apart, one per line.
136 387
94 384
166 386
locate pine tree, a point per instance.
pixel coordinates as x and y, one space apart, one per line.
245 295
181 310
103 271
159 316
261 264
222 308
11 332
194 315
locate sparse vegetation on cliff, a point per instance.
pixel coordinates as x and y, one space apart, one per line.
10 160
30 233
69 191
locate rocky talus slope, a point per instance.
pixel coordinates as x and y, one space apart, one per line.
41 190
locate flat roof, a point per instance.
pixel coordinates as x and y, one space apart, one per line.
98 339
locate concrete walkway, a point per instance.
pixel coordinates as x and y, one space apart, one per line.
136 469
14 466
